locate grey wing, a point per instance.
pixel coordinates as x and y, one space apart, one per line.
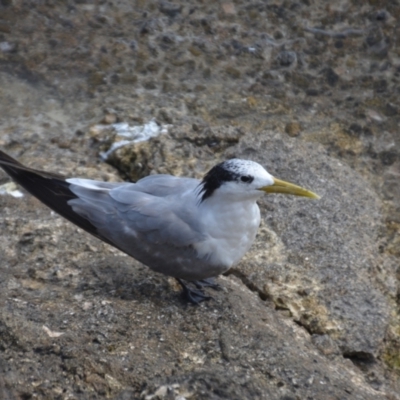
160 232
121 213
153 221
164 185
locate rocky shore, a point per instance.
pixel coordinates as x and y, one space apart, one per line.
307 89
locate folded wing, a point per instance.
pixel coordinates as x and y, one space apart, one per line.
129 211
155 221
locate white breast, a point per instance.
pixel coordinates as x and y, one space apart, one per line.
231 228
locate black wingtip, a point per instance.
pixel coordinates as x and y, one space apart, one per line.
6 159
51 189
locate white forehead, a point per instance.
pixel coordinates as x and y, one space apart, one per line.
245 167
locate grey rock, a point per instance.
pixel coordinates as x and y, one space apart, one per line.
316 300
328 249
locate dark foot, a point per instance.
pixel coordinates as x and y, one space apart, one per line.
209 282
192 295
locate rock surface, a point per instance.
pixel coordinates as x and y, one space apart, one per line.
308 90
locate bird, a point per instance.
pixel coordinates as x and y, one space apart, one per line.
189 229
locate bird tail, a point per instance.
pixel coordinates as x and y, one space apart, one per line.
51 189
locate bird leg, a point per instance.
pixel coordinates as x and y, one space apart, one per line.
209 282
192 295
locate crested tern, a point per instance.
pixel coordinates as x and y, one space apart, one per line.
190 229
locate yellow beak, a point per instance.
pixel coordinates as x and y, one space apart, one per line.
288 188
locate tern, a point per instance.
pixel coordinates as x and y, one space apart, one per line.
190 229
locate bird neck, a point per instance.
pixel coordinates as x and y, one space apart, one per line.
228 206
230 225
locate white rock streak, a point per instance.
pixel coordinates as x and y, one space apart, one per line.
133 134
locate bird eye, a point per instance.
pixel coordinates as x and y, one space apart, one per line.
246 179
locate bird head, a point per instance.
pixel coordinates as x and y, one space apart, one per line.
246 179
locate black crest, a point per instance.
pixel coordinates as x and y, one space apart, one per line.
227 171
214 179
